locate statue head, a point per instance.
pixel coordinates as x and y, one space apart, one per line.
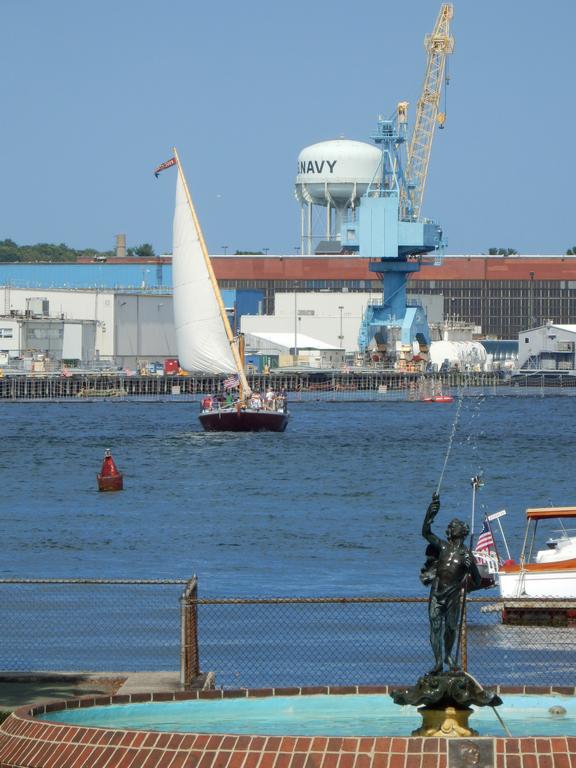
457 529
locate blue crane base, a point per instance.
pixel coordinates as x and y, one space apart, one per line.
392 311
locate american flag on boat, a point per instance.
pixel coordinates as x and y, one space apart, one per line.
231 381
167 164
485 539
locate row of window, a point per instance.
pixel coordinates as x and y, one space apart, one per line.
502 308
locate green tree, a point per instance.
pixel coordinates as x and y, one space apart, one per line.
43 252
248 253
502 252
571 251
144 251
8 250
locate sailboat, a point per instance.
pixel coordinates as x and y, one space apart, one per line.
204 337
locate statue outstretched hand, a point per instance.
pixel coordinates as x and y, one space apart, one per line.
433 507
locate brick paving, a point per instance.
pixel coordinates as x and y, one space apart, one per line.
29 743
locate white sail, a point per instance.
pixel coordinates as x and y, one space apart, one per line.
201 338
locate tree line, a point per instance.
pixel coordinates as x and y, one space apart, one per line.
49 252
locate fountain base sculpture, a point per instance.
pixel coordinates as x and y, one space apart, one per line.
446 697
447 723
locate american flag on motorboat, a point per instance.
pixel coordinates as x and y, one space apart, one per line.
167 164
485 539
231 381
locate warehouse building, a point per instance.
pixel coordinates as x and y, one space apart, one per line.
502 295
549 347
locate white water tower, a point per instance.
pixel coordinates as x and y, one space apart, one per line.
333 175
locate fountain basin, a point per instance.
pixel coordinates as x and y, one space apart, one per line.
45 734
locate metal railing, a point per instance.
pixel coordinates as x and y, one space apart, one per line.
354 385
278 642
96 625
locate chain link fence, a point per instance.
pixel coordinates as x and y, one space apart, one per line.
352 641
93 625
72 625
367 386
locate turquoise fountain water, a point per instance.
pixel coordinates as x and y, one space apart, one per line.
334 715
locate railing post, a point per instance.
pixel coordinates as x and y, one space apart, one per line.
189 653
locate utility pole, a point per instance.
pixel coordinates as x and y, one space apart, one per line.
295 323
531 302
341 336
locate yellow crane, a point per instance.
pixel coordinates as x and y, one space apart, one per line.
439 44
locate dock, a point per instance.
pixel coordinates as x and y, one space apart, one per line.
355 385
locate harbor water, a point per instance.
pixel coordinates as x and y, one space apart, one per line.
332 507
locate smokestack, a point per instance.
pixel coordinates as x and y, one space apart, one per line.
120 246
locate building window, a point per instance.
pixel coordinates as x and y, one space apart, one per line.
6 333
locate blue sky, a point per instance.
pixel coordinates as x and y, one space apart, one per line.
95 94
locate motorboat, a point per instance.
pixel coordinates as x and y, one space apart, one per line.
548 572
540 589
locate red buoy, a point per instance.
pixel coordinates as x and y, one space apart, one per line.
110 478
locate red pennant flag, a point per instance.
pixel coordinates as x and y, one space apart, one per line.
167 164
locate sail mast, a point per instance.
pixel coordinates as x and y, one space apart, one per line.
245 388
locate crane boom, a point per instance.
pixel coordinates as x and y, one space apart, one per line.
438 44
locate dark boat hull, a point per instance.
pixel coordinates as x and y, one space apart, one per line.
244 421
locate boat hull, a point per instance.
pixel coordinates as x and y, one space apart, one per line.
246 420
551 583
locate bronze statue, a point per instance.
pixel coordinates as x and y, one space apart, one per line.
444 698
451 570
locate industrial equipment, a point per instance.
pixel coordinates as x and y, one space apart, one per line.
373 197
388 228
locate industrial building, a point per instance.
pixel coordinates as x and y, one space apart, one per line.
335 318
285 350
500 295
370 272
87 327
549 347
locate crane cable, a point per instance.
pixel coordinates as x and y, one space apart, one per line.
446 84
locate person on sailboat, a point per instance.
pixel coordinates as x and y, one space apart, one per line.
450 568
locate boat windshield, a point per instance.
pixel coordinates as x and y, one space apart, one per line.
560 543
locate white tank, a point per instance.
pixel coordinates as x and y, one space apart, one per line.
464 354
336 172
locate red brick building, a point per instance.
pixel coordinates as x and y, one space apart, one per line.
502 294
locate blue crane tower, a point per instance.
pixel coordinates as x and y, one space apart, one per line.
387 227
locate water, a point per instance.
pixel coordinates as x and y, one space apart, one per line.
349 715
333 506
